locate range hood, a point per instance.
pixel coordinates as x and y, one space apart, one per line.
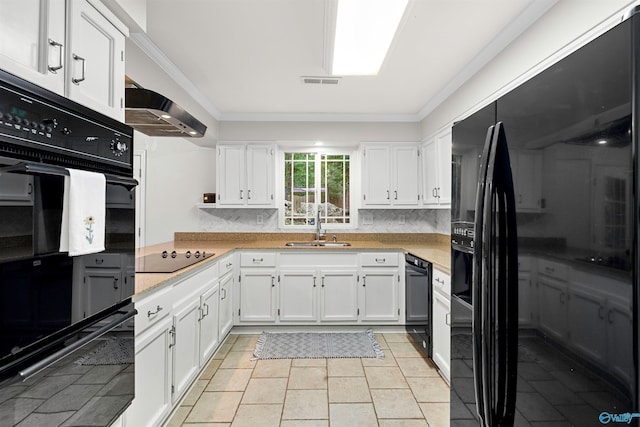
156 115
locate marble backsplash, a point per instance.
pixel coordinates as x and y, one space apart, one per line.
369 221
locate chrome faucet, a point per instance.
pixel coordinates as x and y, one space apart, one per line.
320 235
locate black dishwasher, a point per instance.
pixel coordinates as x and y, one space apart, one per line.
418 301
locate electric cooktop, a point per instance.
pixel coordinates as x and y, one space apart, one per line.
168 262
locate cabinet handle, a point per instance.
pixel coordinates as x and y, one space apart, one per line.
54 69
549 269
153 313
601 312
79 58
438 192
258 259
447 319
30 191
248 194
396 194
380 260
562 295
314 281
387 194
609 316
224 295
364 281
115 283
322 281
207 307
273 281
441 281
434 192
240 194
99 261
172 336
229 264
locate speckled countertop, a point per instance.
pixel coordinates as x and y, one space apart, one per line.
429 246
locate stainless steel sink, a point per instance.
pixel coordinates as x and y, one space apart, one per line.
315 243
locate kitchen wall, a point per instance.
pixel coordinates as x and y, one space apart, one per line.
383 221
565 23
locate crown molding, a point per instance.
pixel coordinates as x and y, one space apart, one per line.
318 117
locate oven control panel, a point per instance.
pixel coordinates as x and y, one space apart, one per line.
31 121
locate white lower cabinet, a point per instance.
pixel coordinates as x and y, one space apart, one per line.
379 295
339 295
226 304
587 327
441 322
258 295
619 320
210 302
298 299
185 345
552 312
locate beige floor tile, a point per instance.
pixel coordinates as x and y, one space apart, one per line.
207 425
309 362
429 389
437 414
238 360
276 368
385 377
381 341
352 415
402 337
195 392
211 369
404 349
403 423
265 390
308 378
222 352
245 343
417 367
304 423
345 368
395 403
306 405
230 380
348 390
231 338
215 407
178 416
388 360
257 415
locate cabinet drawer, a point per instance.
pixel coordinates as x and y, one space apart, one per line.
153 308
258 259
553 269
102 260
441 282
379 259
225 265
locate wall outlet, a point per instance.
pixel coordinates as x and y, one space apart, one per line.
259 219
401 219
367 219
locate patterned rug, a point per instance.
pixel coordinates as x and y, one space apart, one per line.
312 345
110 352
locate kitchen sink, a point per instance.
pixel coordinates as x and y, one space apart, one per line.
315 243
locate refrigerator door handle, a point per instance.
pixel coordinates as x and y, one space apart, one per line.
479 279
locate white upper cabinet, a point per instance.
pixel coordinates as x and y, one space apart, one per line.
95 60
245 175
32 41
436 171
390 176
68 47
527 167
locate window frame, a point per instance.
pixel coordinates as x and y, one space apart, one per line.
319 151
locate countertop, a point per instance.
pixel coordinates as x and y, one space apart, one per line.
429 246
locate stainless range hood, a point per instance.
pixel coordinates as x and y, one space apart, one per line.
156 115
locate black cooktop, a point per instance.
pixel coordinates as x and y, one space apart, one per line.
168 262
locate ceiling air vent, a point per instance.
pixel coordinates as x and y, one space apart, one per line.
320 80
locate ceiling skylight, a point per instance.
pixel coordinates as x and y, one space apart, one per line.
363 33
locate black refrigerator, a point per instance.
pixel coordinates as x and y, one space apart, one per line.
545 263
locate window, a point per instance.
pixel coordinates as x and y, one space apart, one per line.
316 182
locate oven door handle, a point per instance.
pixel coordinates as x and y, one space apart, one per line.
39 169
27 373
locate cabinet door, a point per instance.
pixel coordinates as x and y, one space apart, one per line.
376 186
32 39
152 376
186 359
619 331
338 295
379 295
525 314
226 306
260 175
297 295
95 60
444 167
209 327
528 173
231 175
406 166
257 296
441 332
552 309
102 289
587 327
430 173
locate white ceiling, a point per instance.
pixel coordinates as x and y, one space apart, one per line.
245 57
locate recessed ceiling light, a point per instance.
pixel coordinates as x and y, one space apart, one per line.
363 33
165 116
602 141
319 143
193 132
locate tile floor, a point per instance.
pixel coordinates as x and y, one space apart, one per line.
403 390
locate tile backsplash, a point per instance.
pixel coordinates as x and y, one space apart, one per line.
381 221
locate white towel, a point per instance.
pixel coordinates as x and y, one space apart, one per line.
83 213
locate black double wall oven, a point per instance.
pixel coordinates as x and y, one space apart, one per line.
66 323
